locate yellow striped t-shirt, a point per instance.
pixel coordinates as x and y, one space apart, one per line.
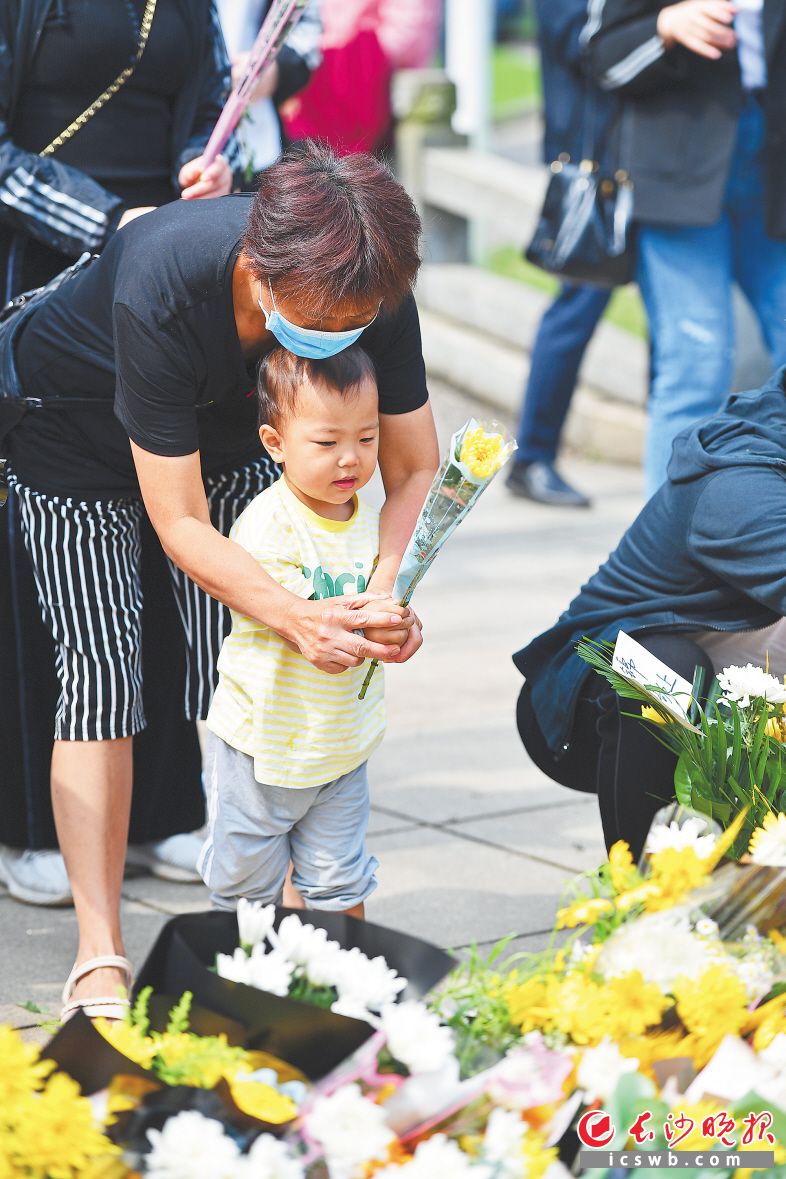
302 726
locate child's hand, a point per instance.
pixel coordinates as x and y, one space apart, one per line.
393 636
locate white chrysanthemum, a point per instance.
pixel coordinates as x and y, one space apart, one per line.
350 1129
364 984
233 966
438 1158
756 975
254 921
302 943
743 684
270 1159
270 972
661 945
768 842
601 1069
503 1144
191 1146
416 1038
692 833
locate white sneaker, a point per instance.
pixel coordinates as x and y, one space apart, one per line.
174 858
35 877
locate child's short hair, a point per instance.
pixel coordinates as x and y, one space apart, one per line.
282 376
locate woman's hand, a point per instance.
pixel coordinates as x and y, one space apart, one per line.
198 184
266 83
703 26
324 631
132 214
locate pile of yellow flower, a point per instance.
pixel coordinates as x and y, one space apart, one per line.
177 1056
47 1129
572 1000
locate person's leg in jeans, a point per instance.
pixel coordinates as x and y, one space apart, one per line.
759 260
561 341
685 277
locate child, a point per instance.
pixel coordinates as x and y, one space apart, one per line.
288 744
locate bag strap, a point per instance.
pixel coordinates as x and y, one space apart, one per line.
112 88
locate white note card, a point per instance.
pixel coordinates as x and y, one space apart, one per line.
636 664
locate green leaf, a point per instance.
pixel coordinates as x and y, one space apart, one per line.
683 781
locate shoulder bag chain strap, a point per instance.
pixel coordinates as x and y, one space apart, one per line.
120 80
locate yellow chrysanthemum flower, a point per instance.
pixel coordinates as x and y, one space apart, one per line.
641 1004
584 912
767 1021
711 1006
527 1003
21 1070
622 869
675 872
56 1133
537 1157
482 453
651 714
643 894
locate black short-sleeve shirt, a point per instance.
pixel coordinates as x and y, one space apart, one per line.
148 333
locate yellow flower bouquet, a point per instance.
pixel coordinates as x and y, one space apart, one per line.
475 455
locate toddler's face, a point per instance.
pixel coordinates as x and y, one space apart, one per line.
329 444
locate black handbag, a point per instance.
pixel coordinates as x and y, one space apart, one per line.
13 316
585 231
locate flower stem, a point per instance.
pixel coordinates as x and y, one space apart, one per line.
367 680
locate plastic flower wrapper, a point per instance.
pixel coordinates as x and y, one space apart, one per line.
476 453
301 985
281 18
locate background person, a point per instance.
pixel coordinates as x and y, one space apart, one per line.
166 329
139 150
572 122
699 579
260 129
347 101
704 91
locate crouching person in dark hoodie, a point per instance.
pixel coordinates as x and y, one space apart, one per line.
699 578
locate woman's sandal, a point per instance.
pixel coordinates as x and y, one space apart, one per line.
106 1006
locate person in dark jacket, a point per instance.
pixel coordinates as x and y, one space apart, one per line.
699 578
704 90
140 149
577 120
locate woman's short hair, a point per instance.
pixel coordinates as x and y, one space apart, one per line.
282 375
325 230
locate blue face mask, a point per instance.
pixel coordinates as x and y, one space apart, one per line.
307 342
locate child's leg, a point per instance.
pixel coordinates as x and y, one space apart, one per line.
332 868
292 898
246 852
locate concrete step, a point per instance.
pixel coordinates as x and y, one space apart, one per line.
509 313
495 374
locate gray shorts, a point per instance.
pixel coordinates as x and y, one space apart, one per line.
254 830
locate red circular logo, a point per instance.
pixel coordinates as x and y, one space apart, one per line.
595 1128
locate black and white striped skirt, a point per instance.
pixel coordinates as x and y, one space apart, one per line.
86 562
